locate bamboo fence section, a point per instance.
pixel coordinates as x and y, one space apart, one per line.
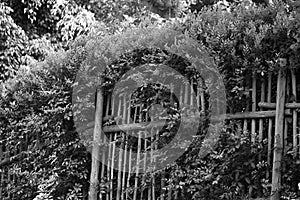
269 116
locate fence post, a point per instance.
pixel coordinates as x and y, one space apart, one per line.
279 129
96 146
294 93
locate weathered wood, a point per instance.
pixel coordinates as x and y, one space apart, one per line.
279 128
133 127
261 122
268 105
137 167
94 179
154 139
129 173
247 92
186 94
145 162
112 165
111 152
137 158
251 115
192 94
124 168
120 165
126 120
270 125
202 98
181 95
130 152
113 147
120 159
159 124
103 138
109 161
151 161
295 115
253 122
285 132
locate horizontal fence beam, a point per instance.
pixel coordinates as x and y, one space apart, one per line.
159 124
273 105
251 115
147 125
134 126
125 127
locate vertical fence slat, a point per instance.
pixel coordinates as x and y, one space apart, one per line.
253 126
130 151
155 139
114 149
270 124
139 133
96 148
181 95
120 159
145 161
126 115
112 165
279 120
129 172
102 174
186 94
262 99
294 93
137 165
126 120
198 96
192 94
152 132
285 137
109 164
120 165
245 121
202 98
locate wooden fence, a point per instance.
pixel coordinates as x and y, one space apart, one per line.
271 115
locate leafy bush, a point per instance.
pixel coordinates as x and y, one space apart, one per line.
35 106
36 103
246 38
12 44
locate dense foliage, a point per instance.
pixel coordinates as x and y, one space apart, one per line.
12 43
44 43
247 38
